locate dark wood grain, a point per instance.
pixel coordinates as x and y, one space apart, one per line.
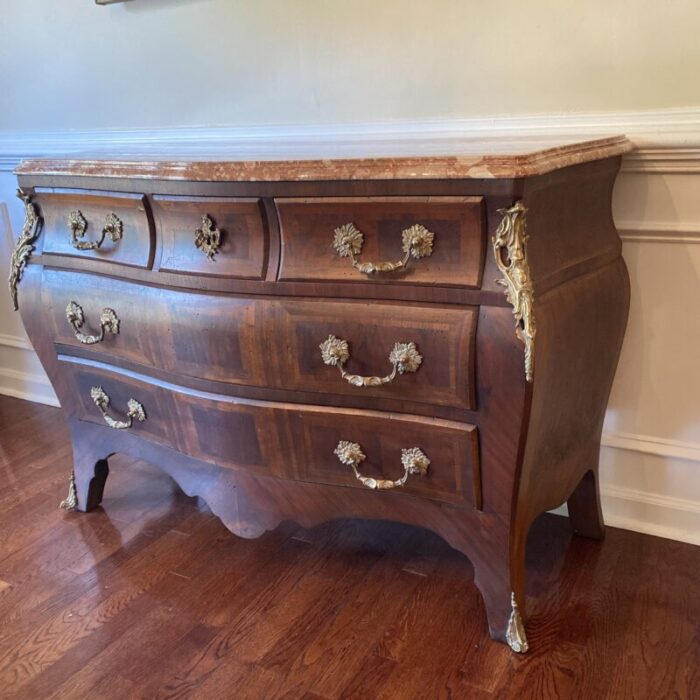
149 596
269 438
308 226
136 244
244 239
219 338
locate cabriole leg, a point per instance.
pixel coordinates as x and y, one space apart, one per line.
585 513
90 471
501 581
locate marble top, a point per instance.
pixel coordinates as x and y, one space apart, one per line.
466 159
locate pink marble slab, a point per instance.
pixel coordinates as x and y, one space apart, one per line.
479 159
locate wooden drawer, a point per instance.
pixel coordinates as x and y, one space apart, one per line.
227 431
220 337
74 220
312 227
243 241
284 440
442 336
453 475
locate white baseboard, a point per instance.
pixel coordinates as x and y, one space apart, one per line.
651 445
651 514
658 514
29 386
21 374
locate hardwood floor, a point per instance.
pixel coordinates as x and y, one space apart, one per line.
150 597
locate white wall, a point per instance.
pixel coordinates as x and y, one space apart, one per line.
154 63
377 77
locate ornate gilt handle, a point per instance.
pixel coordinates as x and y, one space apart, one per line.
404 357
101 400
413 460
109 323
207 237
78 226
417 243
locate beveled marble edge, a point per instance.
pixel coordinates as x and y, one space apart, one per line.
473 166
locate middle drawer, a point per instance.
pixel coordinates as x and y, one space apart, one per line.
411 352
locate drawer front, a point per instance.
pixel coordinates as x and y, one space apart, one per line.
438 371
221 430
213 236
108 226
274 343
452 475
206 336
278 439
318 235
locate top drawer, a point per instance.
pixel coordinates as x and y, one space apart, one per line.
108 226
214 236
435 241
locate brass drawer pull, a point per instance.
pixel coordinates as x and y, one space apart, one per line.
109 323
404 357
78 226
417 243
101 400
413 460
207 237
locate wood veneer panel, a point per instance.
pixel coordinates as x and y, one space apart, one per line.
135 248
308 225
244 242
219 338
293 442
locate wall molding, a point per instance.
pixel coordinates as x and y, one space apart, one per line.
658 232
652 445
29 386
662 160
668 140
653 514
15 341
649 513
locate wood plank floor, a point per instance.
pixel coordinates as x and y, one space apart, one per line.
151 597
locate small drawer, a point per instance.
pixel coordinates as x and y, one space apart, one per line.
215 236
423 457
400 240
109 226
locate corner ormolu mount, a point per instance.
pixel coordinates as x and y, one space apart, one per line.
511 258
24 246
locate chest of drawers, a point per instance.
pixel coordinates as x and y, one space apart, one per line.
428 340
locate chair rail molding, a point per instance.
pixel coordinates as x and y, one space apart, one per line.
667 140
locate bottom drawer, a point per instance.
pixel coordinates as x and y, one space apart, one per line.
400 453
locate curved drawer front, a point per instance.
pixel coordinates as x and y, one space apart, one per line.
109 226
442 339
284 440
273 342
214 236
322 238
451 449
223 430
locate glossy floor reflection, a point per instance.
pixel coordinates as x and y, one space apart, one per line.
150 596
